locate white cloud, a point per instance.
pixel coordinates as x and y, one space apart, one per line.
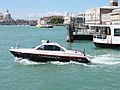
46 13
31 15
54 13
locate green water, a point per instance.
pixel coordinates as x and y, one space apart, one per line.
103 73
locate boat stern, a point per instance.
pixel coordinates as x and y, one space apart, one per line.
83 60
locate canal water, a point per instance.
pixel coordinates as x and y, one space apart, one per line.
102 73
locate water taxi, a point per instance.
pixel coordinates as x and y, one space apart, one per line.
44 26
47 52
106 36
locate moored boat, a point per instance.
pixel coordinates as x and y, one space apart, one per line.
47 52
106 36
44 26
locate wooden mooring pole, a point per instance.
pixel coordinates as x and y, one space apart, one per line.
69 37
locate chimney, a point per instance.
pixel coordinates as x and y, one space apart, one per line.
113 2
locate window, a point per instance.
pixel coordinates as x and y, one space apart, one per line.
41 48
101 32
116 32
45 47
108 31
48 47
56 48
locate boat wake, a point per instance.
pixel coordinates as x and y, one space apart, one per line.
27 62
106 59
71 62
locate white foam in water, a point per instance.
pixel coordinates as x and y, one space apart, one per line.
59 63
65 63
107 59
26 61
73 62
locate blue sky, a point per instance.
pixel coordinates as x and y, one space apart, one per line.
33 9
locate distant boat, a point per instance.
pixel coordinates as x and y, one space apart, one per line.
106 36
47 52
44 26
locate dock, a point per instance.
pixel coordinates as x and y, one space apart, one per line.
83 37
81 33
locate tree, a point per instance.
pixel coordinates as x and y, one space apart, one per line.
56 20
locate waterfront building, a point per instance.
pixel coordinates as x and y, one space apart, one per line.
1 17
113 2
115 16
92 16
32 22
74 19
7 16
41 21
6 19
100 15
26 22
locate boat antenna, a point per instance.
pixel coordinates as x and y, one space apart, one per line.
17 45
84 52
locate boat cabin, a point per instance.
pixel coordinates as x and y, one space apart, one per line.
101 32
50 47
106 34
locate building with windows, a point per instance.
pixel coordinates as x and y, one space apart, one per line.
100 15
74 19
92 16
113 3
115 16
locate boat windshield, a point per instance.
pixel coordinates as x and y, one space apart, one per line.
50 48
101 32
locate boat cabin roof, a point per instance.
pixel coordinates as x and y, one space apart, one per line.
50 47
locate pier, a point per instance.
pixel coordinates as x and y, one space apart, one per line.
76 32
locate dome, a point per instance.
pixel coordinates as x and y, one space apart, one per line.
7 15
